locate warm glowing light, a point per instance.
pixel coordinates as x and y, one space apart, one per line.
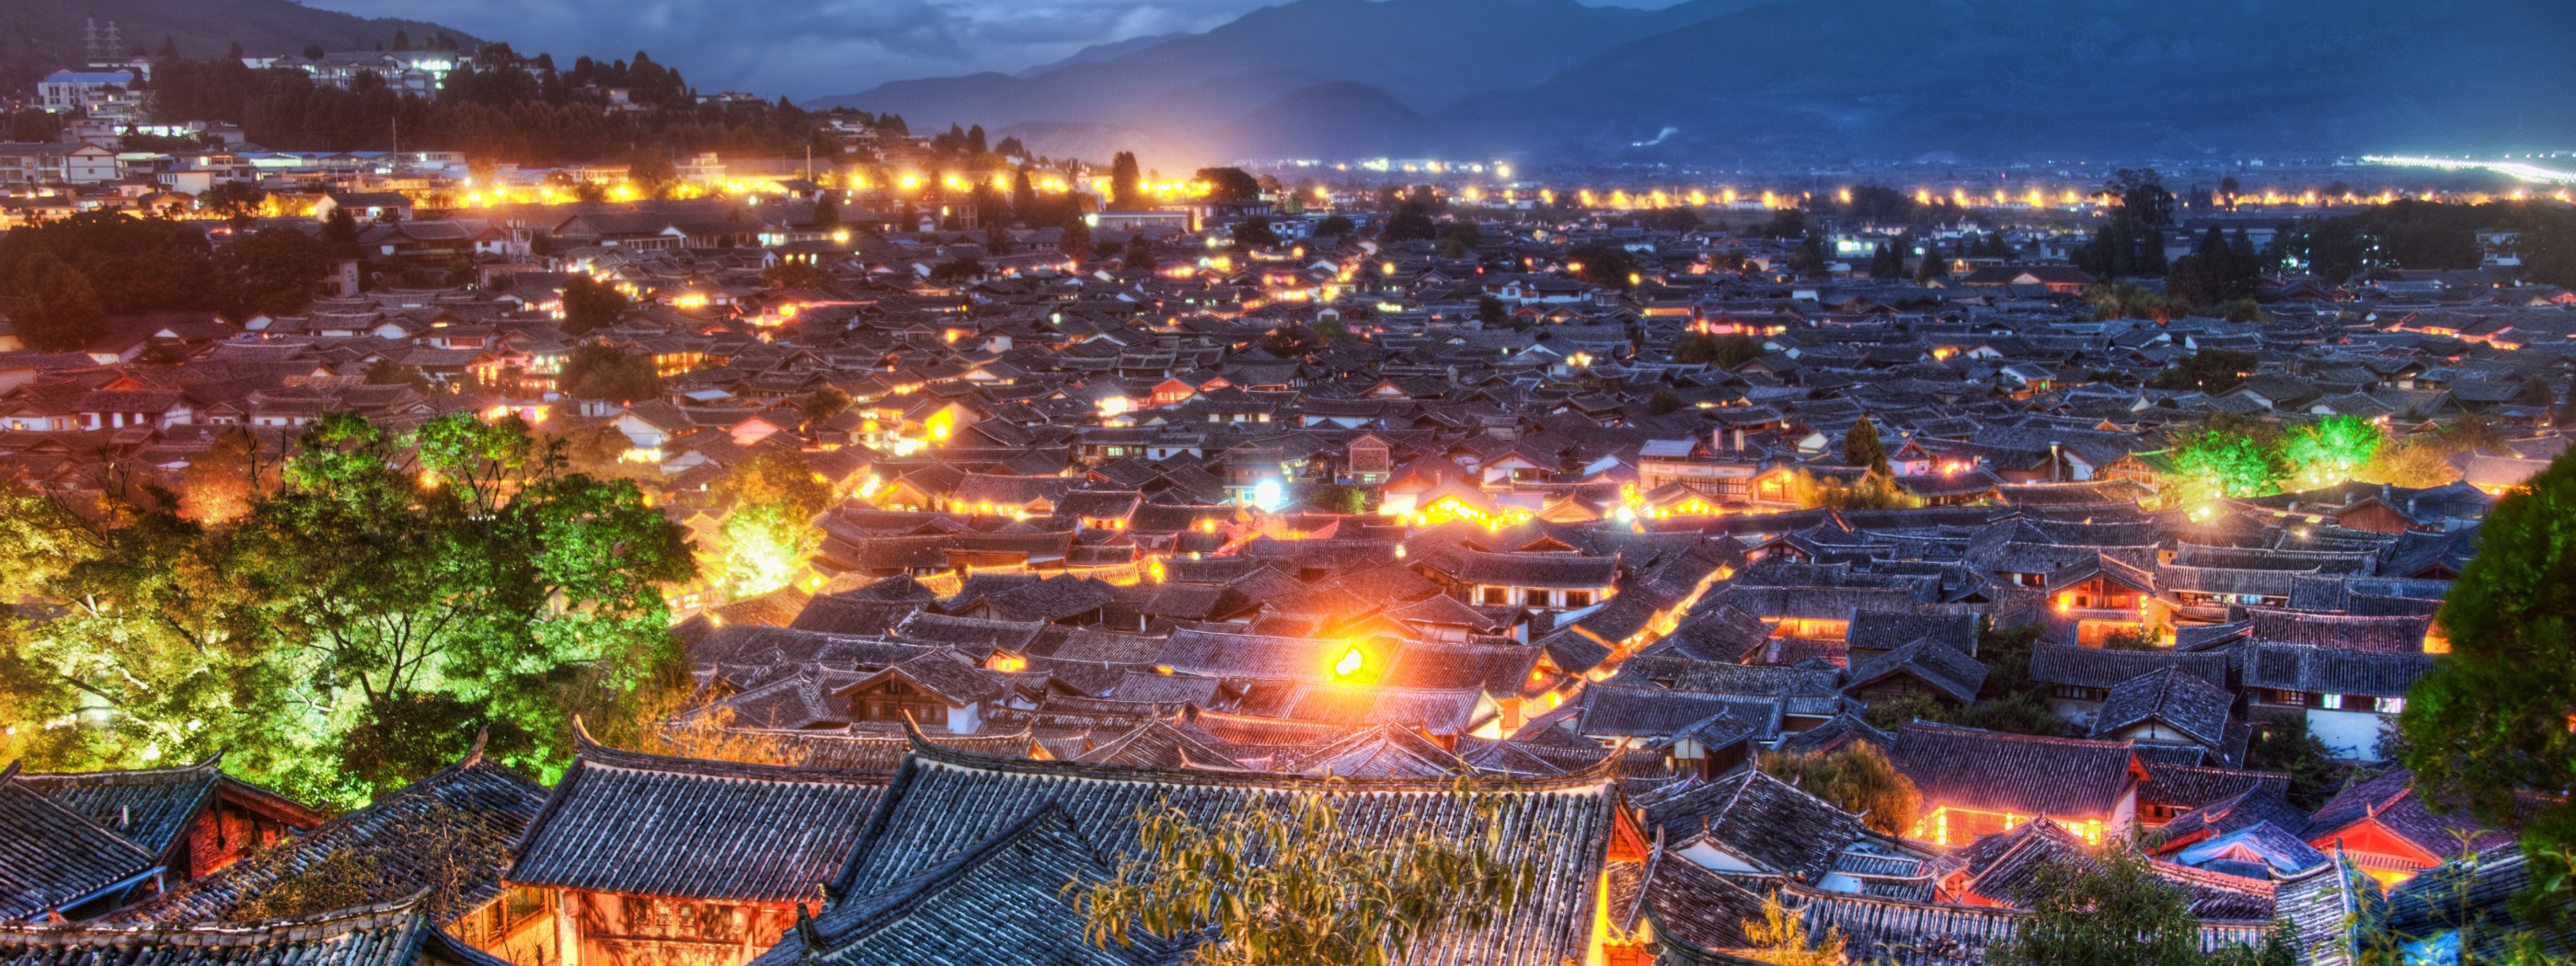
1007 663
1351 663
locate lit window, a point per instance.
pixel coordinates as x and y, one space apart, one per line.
2391 705
2331 702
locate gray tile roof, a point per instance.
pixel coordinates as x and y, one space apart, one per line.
2021 774
654 825
52 857
393 934
944 803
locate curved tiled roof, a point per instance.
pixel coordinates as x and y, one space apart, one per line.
640 824
488 793
2022 774
389 934
945 801
52 858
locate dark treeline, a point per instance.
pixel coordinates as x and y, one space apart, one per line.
2430 235
507 108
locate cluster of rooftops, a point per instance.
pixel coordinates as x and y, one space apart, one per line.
939 754
1094 548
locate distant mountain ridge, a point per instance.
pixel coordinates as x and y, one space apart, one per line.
1804 79
1294 60
41 35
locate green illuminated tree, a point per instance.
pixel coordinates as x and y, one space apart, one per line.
354 629
2223 463
1285 882
2489 723
2332 449
770 528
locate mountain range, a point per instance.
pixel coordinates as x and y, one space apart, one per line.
1723 80
42 35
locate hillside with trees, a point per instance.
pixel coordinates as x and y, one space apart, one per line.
42 35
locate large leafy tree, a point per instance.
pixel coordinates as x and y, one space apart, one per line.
274 271
354 628
770 528
589 304
2224 463
153 263
2491 722
1230 184
1861 447
58 309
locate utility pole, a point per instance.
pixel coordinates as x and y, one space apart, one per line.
394 124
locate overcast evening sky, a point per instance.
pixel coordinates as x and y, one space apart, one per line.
816 48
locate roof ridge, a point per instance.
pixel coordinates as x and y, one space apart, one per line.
1601 773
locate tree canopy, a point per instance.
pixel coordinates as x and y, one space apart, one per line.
1861 447
2208 370
1856 779
590 304
2489 723
352 630
1230 184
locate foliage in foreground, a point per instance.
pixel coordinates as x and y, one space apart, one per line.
354 626
1284 882
444 850
1780 938
2115 911
2490 722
